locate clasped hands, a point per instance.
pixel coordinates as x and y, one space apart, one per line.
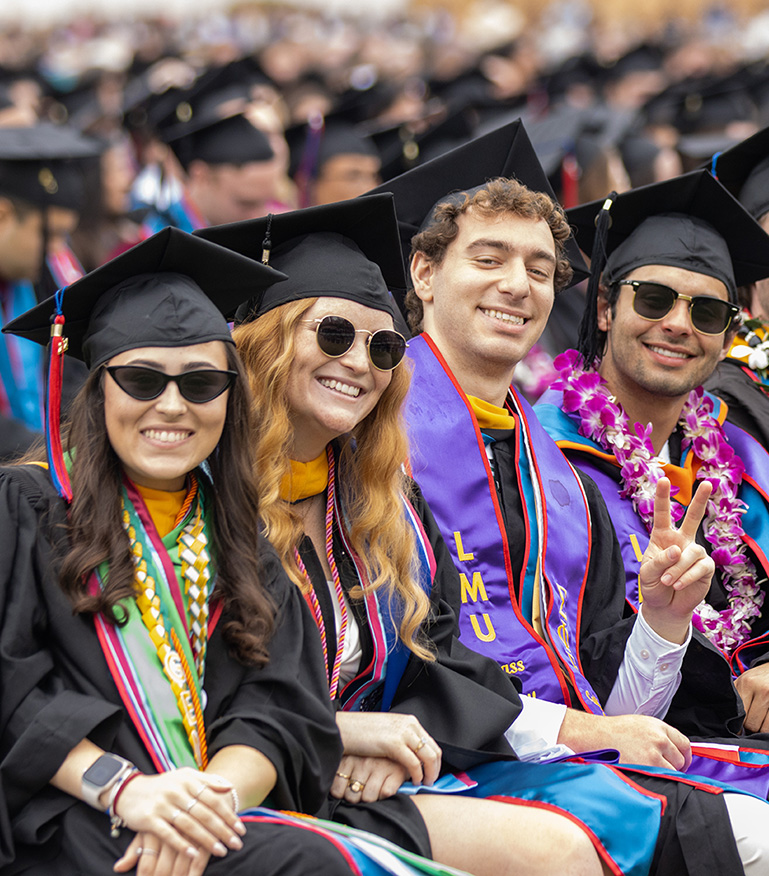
181 818
381 751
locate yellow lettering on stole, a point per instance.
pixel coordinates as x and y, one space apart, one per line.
490 633
460 549
639 556
472 590
514 668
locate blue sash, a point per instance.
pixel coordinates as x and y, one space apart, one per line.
390 654
23 384
449 462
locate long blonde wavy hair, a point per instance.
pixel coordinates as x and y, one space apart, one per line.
371 478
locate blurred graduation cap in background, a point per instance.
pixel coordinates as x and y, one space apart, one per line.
214 139
744 170
43 164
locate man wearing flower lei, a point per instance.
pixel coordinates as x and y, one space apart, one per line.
655 328
541 578
742 378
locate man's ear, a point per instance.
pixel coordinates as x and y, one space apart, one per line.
603 309
7 211
729 336
422 274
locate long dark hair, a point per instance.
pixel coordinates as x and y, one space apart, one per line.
96 533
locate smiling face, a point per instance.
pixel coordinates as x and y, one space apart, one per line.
647 361
158 442
329 397
488 300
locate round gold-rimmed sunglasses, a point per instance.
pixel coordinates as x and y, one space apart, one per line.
336 335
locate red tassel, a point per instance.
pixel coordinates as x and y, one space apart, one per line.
569 182
53 410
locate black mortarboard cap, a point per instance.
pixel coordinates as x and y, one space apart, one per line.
171 290
349 249
407 145
744 170
314 143
689 222
505 152
43 164
216 140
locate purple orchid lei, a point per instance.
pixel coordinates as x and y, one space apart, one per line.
603 420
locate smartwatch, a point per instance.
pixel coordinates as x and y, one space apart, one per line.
103 773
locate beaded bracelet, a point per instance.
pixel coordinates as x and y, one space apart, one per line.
116 822
235 800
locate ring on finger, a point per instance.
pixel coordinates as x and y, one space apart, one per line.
148 851
356 787
421 744
192 803
175 814
199 791
344 776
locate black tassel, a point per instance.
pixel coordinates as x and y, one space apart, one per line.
589 344
267 242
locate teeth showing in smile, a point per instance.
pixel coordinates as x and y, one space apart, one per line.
672 353
505 317
344 388
166 437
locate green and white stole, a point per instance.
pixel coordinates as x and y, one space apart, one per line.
157 658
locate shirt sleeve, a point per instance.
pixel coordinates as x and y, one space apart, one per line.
649 675
534 734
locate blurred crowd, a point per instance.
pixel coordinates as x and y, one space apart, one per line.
232 116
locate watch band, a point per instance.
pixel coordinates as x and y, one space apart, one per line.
102 775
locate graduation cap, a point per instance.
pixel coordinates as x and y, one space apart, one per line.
349 249
505 152
702 105
214 139
171 290
744 170
689 222
402 147
43 164
313 143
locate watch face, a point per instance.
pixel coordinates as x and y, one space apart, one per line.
102 770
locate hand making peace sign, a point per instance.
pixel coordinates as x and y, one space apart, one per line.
675 571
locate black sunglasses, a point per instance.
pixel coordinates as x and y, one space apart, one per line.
335 335
654 301
145 384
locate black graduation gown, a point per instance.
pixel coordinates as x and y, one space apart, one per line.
56 689
747 400
466 702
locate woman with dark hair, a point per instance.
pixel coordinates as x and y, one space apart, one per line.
158 671
352 530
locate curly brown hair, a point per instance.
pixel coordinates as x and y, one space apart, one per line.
501 195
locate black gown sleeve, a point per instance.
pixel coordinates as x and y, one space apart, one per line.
464 700
282 709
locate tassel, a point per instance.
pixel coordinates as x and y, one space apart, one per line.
54 450
569 182
308 165
589 342
267 242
